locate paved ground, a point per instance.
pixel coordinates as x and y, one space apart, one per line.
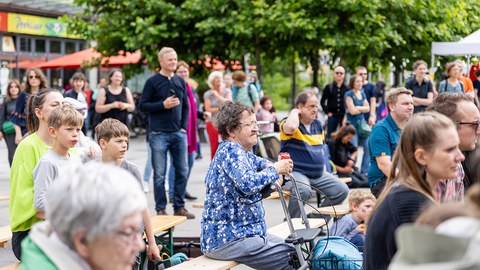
137 155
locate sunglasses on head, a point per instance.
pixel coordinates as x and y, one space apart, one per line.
34 76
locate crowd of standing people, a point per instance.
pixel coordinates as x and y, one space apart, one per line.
418 154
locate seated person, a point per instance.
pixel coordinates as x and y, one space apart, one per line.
94 212
428 151
233 222
343 154
301 136
351 226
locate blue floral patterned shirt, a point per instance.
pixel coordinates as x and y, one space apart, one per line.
233 203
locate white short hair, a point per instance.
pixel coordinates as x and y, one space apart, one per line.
212 76
94 197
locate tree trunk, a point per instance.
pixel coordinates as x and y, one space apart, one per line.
294 81
315 67
258 60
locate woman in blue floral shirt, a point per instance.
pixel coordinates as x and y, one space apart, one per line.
233 222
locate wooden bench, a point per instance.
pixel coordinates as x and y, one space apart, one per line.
11 266
275 195
5 236
335 211
163 226
280 230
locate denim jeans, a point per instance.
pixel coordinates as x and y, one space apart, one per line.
176 143
333 122
171 173
148 165
357 140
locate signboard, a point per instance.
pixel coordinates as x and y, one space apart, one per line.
34 25
3 21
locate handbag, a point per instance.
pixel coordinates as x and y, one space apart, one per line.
8 127
364 129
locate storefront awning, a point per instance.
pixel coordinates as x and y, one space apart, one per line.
26 64
76 60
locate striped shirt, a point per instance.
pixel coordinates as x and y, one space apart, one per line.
305 148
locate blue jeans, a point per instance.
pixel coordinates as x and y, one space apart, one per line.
333 122
356 140
171 173
176 143
148 165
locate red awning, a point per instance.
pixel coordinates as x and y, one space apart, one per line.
26 64
75 60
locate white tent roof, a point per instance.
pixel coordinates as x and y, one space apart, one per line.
470 45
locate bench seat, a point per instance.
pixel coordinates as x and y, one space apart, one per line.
280 230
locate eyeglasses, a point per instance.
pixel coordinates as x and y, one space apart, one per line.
34 76
251 125
130 236
474 124
339 73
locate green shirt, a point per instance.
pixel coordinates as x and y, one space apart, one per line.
22 210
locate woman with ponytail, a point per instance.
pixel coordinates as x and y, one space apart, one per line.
29 151
427 152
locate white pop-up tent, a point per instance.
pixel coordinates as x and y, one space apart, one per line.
467 46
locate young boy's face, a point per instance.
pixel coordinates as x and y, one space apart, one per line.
66 137
115 148
363 210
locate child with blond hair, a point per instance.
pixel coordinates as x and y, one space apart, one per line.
351 226
64 126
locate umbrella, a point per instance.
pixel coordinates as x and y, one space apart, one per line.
75 60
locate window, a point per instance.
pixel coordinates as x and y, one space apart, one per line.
69 47
25 44
40 46
55 46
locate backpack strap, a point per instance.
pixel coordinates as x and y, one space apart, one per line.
234 92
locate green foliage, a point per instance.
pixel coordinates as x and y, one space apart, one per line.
355 32
277 87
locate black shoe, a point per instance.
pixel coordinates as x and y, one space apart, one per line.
189 197
198 157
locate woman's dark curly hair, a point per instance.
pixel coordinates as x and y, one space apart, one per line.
228 119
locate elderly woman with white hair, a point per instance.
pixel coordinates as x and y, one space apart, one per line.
214 99
94 216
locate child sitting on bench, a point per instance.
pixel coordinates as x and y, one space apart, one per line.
351 226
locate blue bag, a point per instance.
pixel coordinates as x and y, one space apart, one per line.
338 254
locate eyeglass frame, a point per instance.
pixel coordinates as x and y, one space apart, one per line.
251 125
38 77
130 237
476 123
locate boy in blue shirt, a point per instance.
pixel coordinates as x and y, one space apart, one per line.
351 226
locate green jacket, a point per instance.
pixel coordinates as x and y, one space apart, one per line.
42 249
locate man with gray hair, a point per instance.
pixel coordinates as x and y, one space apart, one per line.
165 99
94 216
460 108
